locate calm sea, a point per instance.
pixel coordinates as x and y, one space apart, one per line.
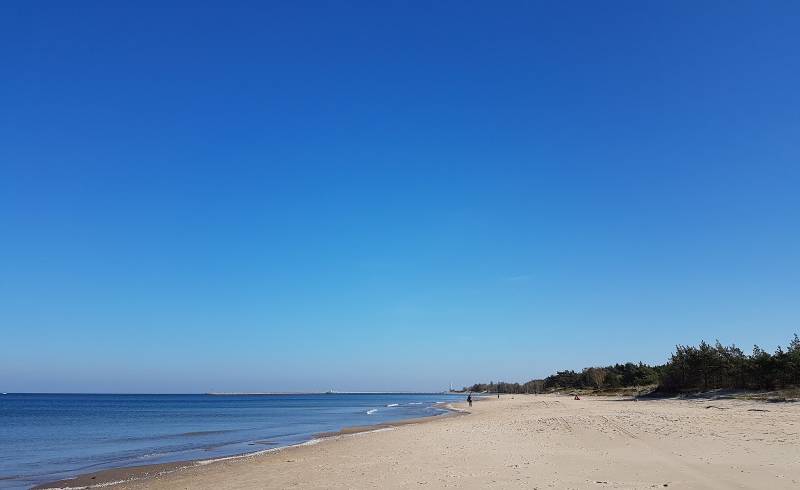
48 437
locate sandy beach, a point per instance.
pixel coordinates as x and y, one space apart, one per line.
534 441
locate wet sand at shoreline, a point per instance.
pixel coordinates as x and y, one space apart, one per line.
528 441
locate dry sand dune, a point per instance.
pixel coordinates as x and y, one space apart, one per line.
540 442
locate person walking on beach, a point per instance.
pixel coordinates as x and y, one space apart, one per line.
469 399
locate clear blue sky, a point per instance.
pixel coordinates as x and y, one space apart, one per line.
390 195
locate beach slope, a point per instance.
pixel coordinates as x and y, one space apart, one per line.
542 441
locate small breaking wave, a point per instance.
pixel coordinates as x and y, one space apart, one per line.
371 411
392 404
151 455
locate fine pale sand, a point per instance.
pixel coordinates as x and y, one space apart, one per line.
539 441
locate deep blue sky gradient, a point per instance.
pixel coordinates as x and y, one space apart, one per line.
390 195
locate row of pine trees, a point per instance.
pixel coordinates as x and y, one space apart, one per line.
690 368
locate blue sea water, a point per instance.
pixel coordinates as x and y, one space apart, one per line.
46 437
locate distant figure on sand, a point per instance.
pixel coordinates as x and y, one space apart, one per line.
469 399
577 397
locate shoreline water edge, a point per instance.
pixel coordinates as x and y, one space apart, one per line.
125 474
58 437
519 441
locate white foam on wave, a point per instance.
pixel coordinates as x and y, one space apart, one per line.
359 434
97 485
415 403
310 442
151 455
392 404
371 411
201 462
